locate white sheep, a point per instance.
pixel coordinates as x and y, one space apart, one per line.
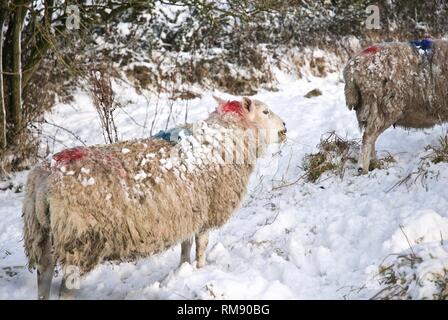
397 83
131 199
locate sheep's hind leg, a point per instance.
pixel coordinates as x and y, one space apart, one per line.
45 270
201 246
185 251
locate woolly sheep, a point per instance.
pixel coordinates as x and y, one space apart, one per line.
397 83
131 199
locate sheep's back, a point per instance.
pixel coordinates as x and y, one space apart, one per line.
399 81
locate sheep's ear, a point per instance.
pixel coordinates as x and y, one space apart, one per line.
219 100
247 104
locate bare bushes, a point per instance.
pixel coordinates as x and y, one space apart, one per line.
424 171
104 101
178 75
315 61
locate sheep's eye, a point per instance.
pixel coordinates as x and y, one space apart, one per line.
266 111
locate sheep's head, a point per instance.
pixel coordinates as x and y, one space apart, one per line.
258 113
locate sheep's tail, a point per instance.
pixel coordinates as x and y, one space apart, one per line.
35 213
352 94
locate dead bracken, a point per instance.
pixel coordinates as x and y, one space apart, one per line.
439 153
334 155
334 152
407 273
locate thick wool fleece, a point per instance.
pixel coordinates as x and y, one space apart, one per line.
399 83
131 199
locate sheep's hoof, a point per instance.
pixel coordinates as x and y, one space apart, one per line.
361 171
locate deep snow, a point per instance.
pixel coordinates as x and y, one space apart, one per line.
306 241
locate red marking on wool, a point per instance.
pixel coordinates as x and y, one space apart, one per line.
122 173
231 106
371 50
68 155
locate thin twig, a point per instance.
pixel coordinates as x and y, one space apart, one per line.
290 183
409 243
66 130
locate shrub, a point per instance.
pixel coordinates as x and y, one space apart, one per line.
419 273
439 153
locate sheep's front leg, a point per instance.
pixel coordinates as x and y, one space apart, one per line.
373 153
201 247
367 151
185 251
45 270
364 159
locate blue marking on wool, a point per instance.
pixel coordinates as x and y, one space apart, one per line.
172 135
425 45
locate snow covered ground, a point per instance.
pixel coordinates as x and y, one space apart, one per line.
305 241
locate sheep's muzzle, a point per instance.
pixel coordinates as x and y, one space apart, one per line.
282 135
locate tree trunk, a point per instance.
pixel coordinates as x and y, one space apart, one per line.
41 47
3 12
15 101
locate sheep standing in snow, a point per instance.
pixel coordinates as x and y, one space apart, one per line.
403 84
132 199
